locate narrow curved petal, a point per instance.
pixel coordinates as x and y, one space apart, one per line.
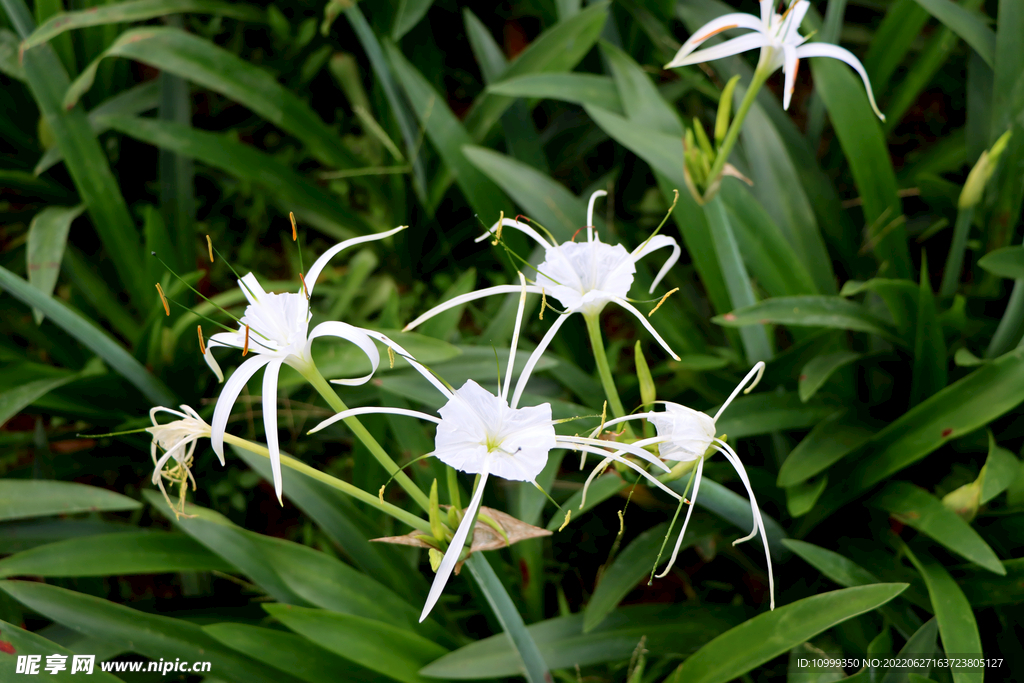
650 328
427 374
752 377
735 46
793 21
790 65
734 460
319 265
590 213
522 227
618 458
161 409
652 245
355 335
844 55
227 398
373 410
466 298
225 339
515 338
767 9
270 376
535 358
625 418
251 287
686 520
451 556
636 448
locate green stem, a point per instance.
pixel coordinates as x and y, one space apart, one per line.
343 486
1011 326
603 369
722 155
955 260
334 401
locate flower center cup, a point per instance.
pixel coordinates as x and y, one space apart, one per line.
585 276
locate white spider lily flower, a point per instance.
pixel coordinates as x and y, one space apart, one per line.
482 433
778 38
178 440
274 329
685 435
583 276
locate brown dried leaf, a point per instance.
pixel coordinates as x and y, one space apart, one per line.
484 537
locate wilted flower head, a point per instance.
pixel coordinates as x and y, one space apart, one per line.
778 38
274 329
178 440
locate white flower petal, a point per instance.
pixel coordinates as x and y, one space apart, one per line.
842 54
712 28
355 335
689 432
535 358
225 339
466 298
314 270
515 338
270 376
686 520
522 227
372 410
735 46
652 245
618 458
793 21
643 320
451 556
585 276
790 65
252 289
590 213
227 399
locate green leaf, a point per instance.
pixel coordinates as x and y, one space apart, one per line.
508 616
138 552
86 162
862 141
47 235
929 372
1006 262
137 10
769 412
818 370
408 14
966 24
380 647
771 634
917 508
204 63
449 138
847 574
800 499
999 471
959 409
669 629
24 642
957 627
577 88
634 563
543 199
985 590
831 440
809 311
900 297
893 40
289 652
560 48
10 65
16 399
21 498
293 192
921 646
90 336
19 536
152 635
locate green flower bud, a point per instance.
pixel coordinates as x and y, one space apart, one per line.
979 176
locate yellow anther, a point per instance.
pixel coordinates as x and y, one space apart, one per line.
380 494
622 523
202 346
295 230
497 233
245 348
568 514
163 299
304 289
543 302
667 295
391 357
209 247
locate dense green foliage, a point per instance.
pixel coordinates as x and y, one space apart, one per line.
886 300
